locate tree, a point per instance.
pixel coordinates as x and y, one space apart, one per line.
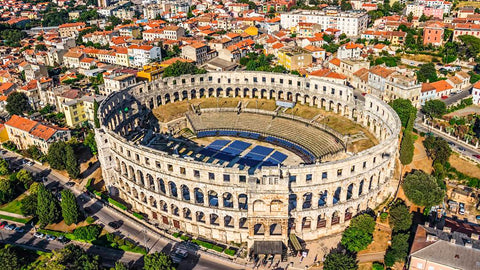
40 47
363 222
406 148
410 17
17 103
398 250
70 257
404 109
434 108
95 114
9 259
180 68
34 152
71 163
158 260
345 5
422 189
400 217
437 149
47 207
88 233
56 155
427 72
355 239
4 170
7 190
120 266
25 177
90 142
29 205
69 206
336 260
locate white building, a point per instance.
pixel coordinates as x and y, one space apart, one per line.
141 55
476 93
349 50
116 82
351 23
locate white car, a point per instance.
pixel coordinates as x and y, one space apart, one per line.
39 235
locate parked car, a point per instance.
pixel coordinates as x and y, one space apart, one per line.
461 211
19 229
461 205
10 227
70 184
114 224
451 144
3 224
461 148
62 239
50 237
478 217
477 156
179 255
39 235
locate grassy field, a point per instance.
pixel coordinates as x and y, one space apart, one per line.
19 220
464 166
13 206
305 111
420 57
468 3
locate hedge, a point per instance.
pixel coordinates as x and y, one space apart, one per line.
230 252
89 186
176 234
208 245
185 238
137 215
117 204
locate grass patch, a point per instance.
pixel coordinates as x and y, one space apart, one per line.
230 252
138 215
208 245
305 111
176 234
117 204
19 220
185 238
54 233
13 206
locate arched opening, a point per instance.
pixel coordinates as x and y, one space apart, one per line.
214 219
276 229
151 182
242 223
336 195
349 191
348 213
212 198
199 198
174 210
307 200
163 206
185 193
187 214
242 202
161 184
360 188
258 229
306 223
335 218
292 202
321 221
173 189
322 200
200 217
153 202
227 200
228 222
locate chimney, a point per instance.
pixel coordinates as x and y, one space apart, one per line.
427 224
453 241
431 238
469 245
447 229
475 236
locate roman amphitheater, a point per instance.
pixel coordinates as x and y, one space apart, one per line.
248 157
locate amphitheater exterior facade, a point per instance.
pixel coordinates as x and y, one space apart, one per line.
266 205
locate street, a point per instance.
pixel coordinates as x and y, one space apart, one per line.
129 229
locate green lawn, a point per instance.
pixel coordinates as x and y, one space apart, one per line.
13 206
19 220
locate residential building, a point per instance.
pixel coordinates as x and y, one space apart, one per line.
80 111
24 133
476 93
197 52
403 86
428 92
466 29
294 58
351 23
116 82
141 55
72 59
70 29
433 34
377 78
349 50
151 72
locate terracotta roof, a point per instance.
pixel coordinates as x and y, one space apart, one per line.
335 61
381 71
441 86
477 85
21 123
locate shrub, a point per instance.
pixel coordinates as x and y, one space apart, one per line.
138 215
89 186
217 248
117 204
90 220
176 234
229 251
185 238
384 216
87 233
377 266
202 243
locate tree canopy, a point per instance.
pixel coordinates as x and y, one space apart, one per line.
400 217
70 211
398 250
407 148
427 72
25 177
437 149
47 207
158 260
61 156
9 259
4 169
7 190
434 108
355 239
363 222
422 189
404 109
17 103
339 261
180 68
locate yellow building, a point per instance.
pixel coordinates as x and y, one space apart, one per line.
3 133
252 31
150 72
121 57
80 111
293 58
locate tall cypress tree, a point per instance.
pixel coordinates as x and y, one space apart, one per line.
69 206
71 163
47 207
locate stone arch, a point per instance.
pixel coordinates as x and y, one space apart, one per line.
242 223
306 223
131 174
321 221
150 181
184 94
163 206
135 193
187 214
161 186
275 229
259 206
167 98
259 229
214 219
173 189
242 201
124 168
176 96
335 218
276 206
200 216
227 200
152 202
350 191
212 198
228 222
292 201
185 193
307 200
199 197
174 210
322 199
360 187
336 195
348 213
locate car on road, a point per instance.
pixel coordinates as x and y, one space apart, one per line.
461 148
50 237
3 224
29 163
477 156
39 235
19 229
178 255
461 211
62 239
70 184
114 224
451 144
10 227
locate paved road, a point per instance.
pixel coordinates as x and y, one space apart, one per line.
456 97
129 229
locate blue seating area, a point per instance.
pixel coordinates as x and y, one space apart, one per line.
275 159
255 156
289 145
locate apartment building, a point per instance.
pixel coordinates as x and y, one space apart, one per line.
70 29
197 52
116 82
403 86
351 23
80 110
141 55
294 58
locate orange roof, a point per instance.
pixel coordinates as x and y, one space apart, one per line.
42 131
5 86
175 59
427 87
278 45
21 123
441 86
381 71
335 61
351 46
477 85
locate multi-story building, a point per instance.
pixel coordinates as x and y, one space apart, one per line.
476 93
72 59
80 111
470 29
141 55
351 23
403 86
70 29
293 58
349 50
170 32
150 72
197 52
433 34
24 133
116 82
121 57
377 78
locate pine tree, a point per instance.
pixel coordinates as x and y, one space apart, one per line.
69 206
47 207
406 148
71 163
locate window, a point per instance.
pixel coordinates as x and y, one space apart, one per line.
339 172
147 161
374 159
292 178
157 163
420 265
272 80
324 175
182 171
196 173
308 177
242 178
254 79
364 164
137 157
264 79
281 80
226 178
352 169
170 168
211 176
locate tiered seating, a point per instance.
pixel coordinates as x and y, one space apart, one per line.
318 142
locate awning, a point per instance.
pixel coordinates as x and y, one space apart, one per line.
267 247
294 240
